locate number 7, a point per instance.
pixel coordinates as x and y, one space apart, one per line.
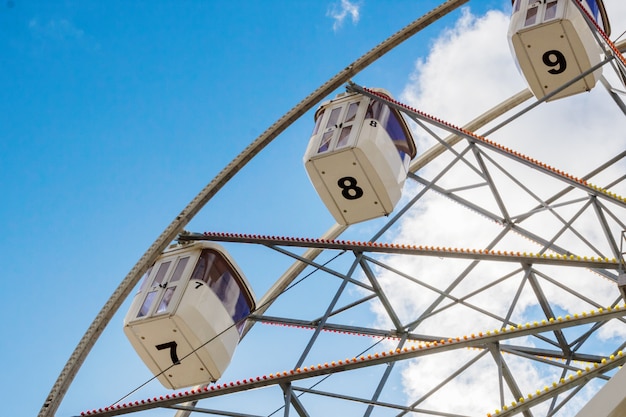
172 347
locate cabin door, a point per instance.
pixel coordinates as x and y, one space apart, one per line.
340 130
165 287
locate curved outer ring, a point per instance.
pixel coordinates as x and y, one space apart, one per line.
96 328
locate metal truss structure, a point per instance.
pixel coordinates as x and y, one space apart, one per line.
506 311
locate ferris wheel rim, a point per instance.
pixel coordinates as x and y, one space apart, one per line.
252 150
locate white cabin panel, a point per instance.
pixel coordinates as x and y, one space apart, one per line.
199 325
159 343
353 185
553 44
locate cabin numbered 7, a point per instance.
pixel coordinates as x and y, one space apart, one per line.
186 320
358 156
553 44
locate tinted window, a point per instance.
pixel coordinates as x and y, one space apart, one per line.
161 273
165 301
325 143
334 117
550 10
344 135
145 307
318 121
593 6
213 269
180 267
144 282
531 16
394 126
351 112
375 110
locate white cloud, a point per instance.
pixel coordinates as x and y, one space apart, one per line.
342 10
468 70
616 10
478 384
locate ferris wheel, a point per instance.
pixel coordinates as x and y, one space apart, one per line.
491 283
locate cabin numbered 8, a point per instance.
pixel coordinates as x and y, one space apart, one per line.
186 320
358 156
553 43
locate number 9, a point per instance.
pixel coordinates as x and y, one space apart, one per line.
554 58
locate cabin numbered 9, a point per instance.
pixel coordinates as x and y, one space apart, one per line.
358 156
553 44
186 320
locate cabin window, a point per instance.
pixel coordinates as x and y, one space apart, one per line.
352 109
348 121
334 117
331 124
241 311
165 301
325 144
593 6
318 121
375 110
531 15
145 280
550 10
169 291
147 303
180 267
344 135
158 280
516 5
390 121
396 129
213 269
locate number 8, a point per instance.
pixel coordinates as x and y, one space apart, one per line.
349 189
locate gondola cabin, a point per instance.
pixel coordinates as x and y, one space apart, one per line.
553 44
186 320
358 157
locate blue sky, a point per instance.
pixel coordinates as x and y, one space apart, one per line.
113 115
